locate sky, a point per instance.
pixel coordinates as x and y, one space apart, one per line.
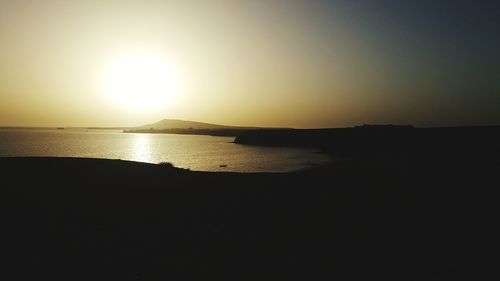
303 64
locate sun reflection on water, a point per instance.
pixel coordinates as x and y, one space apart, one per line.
141 148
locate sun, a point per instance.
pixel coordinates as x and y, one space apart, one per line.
140 82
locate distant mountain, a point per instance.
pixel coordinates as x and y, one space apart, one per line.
166 124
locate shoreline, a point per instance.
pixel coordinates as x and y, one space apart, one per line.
104 219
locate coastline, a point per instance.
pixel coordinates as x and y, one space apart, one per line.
119 219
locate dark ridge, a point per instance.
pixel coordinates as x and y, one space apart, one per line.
183 127
381 139
185 124
191 131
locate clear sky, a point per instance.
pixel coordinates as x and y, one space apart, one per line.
253 63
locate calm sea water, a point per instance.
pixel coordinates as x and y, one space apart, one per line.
201 153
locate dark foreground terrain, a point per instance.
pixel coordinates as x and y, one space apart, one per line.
88 219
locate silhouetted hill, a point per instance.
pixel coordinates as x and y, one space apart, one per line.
174 126
208 132
183 124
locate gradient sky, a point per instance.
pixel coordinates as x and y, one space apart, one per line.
255 63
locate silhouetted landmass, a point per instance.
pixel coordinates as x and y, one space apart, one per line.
174 126
357 219
184 124
383 139
209 132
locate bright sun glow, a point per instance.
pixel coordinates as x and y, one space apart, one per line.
141 82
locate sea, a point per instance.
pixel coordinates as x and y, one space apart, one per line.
194 152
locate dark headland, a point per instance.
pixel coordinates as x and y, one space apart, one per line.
407 140
395 204
184 127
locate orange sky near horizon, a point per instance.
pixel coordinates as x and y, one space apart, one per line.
303 64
